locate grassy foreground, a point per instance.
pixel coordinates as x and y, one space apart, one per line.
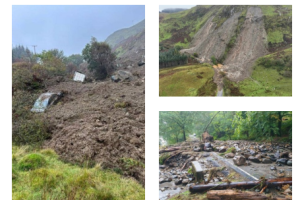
39 174
191 80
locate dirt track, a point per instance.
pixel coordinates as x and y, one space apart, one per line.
89 124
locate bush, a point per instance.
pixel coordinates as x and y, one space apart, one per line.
32 161
214 60
195 55
30 131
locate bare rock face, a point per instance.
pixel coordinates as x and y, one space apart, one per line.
239 160
206 137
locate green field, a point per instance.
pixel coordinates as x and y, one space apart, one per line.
190 80
39 174
266 82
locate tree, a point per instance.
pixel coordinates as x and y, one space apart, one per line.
99 57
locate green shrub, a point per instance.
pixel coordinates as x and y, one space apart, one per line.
195 55
163 157
30 131
214 60
32 161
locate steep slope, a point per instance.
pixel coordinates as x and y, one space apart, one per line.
235 36
125 33
129 44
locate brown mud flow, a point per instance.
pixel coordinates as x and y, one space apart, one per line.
101 122
224 162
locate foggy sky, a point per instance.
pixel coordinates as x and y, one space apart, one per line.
161 7
69 28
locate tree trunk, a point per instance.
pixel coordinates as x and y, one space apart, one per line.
205 130
238 195
184 138
279 122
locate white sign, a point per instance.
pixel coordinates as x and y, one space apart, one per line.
79 77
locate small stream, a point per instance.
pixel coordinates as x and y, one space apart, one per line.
220 93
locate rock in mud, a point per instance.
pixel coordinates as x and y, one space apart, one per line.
239 160
266 161
185 181
284 155
254 159
222 149
197 149
230 155
178 181
162 166
282 161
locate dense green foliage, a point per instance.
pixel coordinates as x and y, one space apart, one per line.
40 175
234 125
100 58
171 58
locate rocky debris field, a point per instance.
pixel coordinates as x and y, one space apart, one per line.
223 161
101 122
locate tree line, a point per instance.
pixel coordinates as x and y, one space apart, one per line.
172 58
177 126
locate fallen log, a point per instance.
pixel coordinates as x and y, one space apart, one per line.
244 185
239 195
169 150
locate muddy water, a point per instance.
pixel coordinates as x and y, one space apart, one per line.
220 93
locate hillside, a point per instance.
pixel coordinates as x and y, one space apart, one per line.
129 44
234 36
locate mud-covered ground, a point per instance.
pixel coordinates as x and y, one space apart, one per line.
176 178
101 122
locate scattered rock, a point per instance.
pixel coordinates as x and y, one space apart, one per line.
185 181
178 181
162 166
230 155
289 163
284 155
254 159
222 149
266 161
239 160
273 168
282 161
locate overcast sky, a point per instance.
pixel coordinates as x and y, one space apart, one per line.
69 28
175 6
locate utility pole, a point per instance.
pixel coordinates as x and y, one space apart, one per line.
34 48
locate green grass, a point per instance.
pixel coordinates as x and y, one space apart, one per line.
190 80
267 82
59 180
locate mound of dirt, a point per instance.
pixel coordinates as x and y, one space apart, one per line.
101 122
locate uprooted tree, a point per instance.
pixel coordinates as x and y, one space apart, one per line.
100 58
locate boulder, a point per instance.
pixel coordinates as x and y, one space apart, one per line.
222 149
178 181
206 137
284 155
229 155
289 162
124 75
266 161
254 159
185 181
239 160
258 156
282 161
